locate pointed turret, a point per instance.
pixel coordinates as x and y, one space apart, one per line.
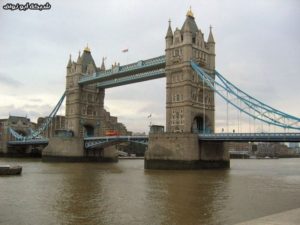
210 36
70 62
102 68
69 66
79 58
169 36
169 32
211 47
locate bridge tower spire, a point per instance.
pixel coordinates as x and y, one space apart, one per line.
169 35
211 47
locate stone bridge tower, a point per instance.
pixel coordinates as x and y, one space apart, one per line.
84 104
190 104
85 116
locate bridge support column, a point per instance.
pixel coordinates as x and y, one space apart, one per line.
71 149
184 151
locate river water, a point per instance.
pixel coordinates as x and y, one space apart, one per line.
124 193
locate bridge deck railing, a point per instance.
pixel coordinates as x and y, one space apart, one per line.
125 68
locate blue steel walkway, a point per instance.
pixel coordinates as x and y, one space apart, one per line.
139 67
252 137
93 142
29 142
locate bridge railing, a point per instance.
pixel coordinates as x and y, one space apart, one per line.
252 137
250 134
36 134
92 142
133 78
125 68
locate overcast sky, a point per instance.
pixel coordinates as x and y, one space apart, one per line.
257 47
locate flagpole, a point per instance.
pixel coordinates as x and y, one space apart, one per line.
150 121
126 50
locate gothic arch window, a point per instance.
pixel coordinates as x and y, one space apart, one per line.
90 98
89 110
84 110
176 52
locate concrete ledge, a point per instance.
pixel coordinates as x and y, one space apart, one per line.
185 165
77 159
291 217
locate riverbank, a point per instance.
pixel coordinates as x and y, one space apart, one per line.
291 217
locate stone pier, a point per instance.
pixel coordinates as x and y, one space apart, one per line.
184 151
71 149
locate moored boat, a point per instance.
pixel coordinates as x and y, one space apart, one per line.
10 170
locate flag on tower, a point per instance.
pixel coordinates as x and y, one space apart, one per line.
125 50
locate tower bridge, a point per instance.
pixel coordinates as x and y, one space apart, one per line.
190 141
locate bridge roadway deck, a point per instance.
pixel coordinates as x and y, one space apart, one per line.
91 142
217 137
29 142
251 137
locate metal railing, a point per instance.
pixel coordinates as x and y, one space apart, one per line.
142 64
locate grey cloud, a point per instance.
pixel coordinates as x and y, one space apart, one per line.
35 100
32 111
9 81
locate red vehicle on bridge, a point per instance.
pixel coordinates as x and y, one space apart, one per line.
112 133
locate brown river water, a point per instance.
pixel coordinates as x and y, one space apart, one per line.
124 193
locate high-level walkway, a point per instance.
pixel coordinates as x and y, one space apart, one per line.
141 70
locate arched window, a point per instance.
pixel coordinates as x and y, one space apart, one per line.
89 110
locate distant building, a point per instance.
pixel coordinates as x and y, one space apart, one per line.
157 129
293 145
138 134
274 150
238 149
58 123
238 146
20 124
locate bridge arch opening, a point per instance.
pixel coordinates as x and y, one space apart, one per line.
201 125
89 130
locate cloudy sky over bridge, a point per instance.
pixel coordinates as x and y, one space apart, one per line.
257 47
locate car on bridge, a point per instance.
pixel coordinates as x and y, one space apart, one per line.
112 133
